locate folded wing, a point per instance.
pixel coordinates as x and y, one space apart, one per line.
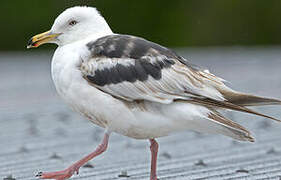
132 68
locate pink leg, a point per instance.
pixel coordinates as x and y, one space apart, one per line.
67 173
154 151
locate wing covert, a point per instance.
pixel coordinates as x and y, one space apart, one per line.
132 68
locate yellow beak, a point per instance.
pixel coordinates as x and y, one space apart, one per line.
40 39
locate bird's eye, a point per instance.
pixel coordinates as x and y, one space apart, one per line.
72 23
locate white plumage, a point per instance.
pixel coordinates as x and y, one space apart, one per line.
134 87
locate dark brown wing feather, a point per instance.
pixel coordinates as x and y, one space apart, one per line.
248 99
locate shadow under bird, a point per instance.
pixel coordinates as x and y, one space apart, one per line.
135 87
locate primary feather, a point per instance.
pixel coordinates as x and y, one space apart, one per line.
244 99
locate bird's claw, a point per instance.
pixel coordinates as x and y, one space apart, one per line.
59 175
39 174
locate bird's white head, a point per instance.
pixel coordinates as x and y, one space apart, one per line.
74 24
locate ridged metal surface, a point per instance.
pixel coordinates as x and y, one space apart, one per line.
39 133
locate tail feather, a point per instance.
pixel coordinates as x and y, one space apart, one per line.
230 128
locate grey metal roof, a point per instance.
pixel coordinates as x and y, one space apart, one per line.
38 132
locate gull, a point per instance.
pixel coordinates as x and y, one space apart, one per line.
134 87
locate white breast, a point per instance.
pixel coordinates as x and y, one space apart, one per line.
102 109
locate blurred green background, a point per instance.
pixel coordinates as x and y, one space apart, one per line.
173 23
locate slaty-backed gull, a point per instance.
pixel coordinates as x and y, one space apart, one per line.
135 87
